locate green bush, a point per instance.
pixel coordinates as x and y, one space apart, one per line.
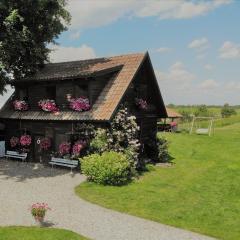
99 143
110 168
163 154
227 111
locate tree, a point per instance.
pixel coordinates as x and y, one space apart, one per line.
27 28
202 111
227 111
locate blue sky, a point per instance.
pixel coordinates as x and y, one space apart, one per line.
194 45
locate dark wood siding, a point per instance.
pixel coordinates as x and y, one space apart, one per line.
62 89
36 93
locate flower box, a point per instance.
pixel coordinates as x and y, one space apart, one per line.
79 104
20 105
48 105
141 104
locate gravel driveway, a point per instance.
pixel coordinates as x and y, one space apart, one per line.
23 184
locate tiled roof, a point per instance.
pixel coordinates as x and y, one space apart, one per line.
108 99
76 69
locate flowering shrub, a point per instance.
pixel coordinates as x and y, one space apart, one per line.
25 140
48 105
20 105
14 141
123 136
64 148
45 144
77 147
142 104
38 210
79 104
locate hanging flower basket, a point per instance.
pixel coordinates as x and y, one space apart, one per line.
77 148
45 144
48 105
14 142
64 148
25 140
79 104
20 105
141 104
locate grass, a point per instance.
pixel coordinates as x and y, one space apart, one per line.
200 192
34 233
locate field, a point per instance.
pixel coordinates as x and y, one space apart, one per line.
34 233
200 192
213 110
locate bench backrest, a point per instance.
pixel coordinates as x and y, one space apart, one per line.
66 161
16 153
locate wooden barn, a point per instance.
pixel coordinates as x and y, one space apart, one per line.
105 82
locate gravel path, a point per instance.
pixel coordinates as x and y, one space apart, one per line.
23 184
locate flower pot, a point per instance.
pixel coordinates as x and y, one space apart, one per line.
39 221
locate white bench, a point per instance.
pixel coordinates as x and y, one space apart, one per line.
64 162
17 155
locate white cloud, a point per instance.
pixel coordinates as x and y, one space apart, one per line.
164 50
209 84
97 13
233 86
229 50
177 76
62 54
74 35
200 44
208 66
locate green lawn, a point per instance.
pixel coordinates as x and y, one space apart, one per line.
34 233
201 192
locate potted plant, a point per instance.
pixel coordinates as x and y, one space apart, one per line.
38 211
48 105
14 142
141 104
79 104
77 148
25 142
45 144
64 148
20 105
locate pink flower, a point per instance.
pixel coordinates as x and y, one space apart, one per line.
64 148
45 144
142 104
38 210
79 104
173 124
48 105
14 141
20 105
25 140
77 147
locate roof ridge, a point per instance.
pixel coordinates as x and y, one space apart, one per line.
97 58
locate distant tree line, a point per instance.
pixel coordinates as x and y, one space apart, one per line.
188 111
